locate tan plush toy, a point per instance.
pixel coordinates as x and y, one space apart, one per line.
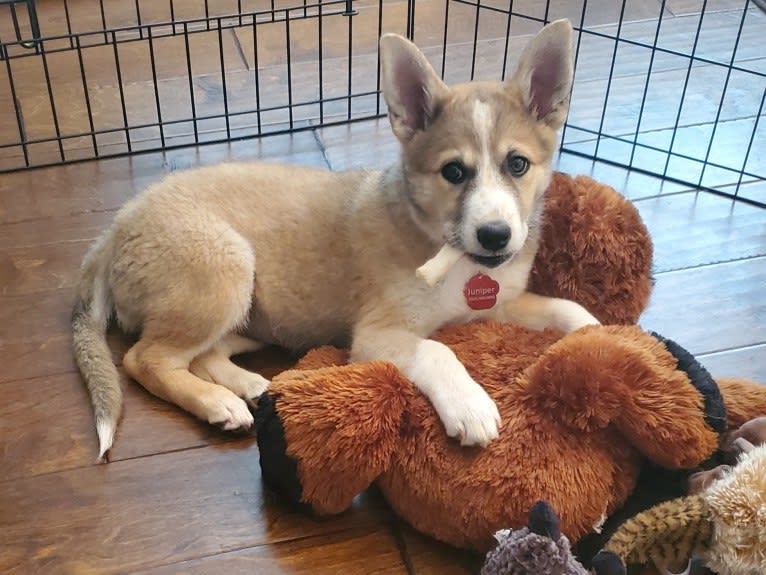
581 413
724 525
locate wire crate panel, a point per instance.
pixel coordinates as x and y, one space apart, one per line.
673 88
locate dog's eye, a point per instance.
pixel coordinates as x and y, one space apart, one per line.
455 172
516 165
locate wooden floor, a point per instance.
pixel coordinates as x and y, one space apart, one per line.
181 497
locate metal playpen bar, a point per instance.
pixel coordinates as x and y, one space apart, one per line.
677 96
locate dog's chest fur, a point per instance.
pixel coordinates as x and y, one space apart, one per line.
430 309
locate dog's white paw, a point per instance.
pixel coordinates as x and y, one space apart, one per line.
229 412
572 316
468 414
249 386
465 409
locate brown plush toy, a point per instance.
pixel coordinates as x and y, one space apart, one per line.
581 413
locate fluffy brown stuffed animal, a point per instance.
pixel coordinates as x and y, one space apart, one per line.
581 413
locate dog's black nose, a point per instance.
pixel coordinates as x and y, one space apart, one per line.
494 236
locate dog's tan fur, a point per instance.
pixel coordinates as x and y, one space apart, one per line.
220 260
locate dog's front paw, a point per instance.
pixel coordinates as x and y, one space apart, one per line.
469 415
249 387
227 411
572 316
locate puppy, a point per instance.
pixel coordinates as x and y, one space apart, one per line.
221 260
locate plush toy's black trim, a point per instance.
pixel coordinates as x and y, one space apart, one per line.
608 563
656 484
279 470
715 409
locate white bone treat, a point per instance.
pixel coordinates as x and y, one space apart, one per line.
435 268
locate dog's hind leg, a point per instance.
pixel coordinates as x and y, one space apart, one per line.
199 292
215 366
163 369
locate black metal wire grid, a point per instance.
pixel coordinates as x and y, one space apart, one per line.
732 174
246 70
677 98
208 116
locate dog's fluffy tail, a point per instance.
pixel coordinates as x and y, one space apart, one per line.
90 319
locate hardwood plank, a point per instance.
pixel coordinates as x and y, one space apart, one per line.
41 344
694 229
32 444
631 66
711 308
429 25
677 35
268 362
701 103
175 98
35 328
746 362
363 144
64 228
174 92
751 191
681 7
135 514
639 25
729 141
598 13
107 184
632 185
428 32
85 15
76 188
40 268
65 78
365 551
47 355
426 556
35 335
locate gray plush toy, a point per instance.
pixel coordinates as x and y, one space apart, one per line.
538 549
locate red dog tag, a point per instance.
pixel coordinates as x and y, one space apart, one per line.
481 292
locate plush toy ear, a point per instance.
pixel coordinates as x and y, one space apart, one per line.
675 424
544 521
594 249
544 73
412 89
325 435
664 404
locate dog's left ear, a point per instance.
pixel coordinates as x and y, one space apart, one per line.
545 71
412 89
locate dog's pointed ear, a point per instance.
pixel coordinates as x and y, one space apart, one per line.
412 89
545 72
